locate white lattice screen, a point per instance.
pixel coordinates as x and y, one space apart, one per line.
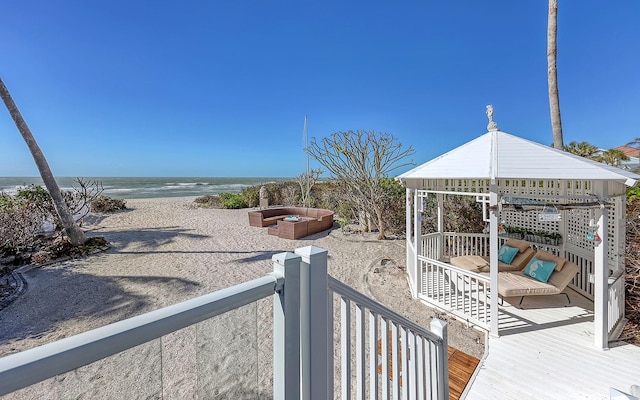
574 224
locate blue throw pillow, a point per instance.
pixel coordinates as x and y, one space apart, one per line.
539 269
506 254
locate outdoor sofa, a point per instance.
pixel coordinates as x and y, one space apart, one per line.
292 222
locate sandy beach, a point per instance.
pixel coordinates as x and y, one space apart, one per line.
164 251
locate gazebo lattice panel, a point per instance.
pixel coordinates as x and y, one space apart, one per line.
575 223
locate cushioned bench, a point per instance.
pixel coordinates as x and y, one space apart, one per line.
518 284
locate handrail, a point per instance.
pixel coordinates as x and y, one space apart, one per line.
347 291
31 366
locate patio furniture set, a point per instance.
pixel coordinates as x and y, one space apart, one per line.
292 222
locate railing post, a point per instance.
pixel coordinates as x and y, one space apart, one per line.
439 328
286 327
317 380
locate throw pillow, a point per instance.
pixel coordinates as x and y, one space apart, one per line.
540 270
506 254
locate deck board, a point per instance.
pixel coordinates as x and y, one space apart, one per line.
547 351
461 368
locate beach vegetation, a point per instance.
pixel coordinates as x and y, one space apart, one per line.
360 161
105 204
64 216
232 200
30 229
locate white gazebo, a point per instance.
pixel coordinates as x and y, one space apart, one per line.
581 200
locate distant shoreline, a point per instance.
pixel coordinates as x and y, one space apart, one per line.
127 188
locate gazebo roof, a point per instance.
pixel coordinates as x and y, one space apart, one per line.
501 155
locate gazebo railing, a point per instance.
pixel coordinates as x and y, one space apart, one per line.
462 244
616 302
436 281
462 293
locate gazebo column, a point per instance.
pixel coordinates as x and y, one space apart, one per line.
440 198
417 237
493 262
601 274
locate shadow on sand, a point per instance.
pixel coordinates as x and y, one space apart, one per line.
59 294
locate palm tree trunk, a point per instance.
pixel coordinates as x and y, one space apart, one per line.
71 229
552 75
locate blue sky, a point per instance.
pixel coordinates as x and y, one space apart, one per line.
220 88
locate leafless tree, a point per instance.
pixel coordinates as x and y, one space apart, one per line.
361 160
72 230
306 182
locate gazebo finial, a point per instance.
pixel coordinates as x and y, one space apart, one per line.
492 125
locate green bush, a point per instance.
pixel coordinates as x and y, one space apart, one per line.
633 193
251 196
232 200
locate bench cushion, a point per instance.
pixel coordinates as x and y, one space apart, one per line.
511 284
520 244
541 255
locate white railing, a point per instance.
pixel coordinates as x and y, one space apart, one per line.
463 244
462 293
303 366
403 359
431 245
616 300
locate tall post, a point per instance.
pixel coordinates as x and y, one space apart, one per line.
408 209
314 320
440 328
286 327
417 240
601 269
493 261
440 198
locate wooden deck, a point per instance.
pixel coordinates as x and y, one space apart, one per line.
461 369
547 352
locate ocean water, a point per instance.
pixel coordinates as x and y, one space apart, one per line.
148 187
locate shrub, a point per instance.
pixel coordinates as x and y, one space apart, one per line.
105 204
232 200
29 221
251 196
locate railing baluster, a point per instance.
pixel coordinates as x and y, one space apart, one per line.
413 366
330 344
360 353
395 361
373 355
345 343
384 347
405 349
420 374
